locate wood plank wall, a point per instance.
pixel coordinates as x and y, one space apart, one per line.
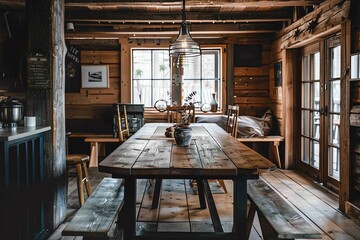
251 84
94 103
276 93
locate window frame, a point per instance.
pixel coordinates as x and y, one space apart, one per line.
218 68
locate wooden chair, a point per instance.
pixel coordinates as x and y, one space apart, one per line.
174 113
232 120
122 133
79 162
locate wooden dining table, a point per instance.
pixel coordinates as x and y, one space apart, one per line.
212 154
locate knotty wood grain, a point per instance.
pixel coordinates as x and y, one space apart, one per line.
96 216
287 223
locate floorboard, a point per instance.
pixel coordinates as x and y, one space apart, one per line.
179 208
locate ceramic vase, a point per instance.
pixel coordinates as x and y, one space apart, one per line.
183 136
213 103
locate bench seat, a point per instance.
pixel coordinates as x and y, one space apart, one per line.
278 220
96 217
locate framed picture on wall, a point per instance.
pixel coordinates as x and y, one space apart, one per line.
95 76
278 74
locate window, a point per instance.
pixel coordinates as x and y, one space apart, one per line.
150 75
310 107
151 79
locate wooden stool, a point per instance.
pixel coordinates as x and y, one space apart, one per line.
78 161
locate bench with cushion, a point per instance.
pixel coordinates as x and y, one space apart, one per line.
97 216
278 220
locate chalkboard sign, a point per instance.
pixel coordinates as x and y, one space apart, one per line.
72 70
38 70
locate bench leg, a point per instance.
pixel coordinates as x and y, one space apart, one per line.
277 154
94 147
267 230
250 219
86 179
80 188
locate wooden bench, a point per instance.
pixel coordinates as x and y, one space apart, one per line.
278 220
97 147
97 216
270 139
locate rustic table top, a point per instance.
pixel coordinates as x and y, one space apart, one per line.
212 153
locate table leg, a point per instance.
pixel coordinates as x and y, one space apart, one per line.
156 195
201 193
240 208
129 208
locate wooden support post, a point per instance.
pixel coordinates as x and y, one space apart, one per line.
45 97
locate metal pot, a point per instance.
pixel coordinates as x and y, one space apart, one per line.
11 111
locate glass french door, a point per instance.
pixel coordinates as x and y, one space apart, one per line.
320 111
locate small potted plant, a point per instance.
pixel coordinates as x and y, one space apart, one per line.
183 131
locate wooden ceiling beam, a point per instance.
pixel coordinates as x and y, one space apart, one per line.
166 27
192 3
163 34
141 16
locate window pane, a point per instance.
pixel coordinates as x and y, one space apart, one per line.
335 96
316 95
335 129
335 62
208 88
305 123
160 89
305 75
315 157
305 95
316 66
188 87
305 145
161 66
208 66
355 66
334 162
142 92
142 64
193 70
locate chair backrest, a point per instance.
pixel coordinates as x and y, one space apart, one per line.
232 120
174 113
122 133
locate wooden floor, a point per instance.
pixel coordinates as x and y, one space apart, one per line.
179 206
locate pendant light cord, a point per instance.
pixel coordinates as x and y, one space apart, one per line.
183 12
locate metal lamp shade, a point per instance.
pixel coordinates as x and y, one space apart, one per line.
184 45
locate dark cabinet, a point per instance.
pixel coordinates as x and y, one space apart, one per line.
22 183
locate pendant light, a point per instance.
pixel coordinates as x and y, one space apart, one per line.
184 45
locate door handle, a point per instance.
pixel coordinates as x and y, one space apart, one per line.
324 111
